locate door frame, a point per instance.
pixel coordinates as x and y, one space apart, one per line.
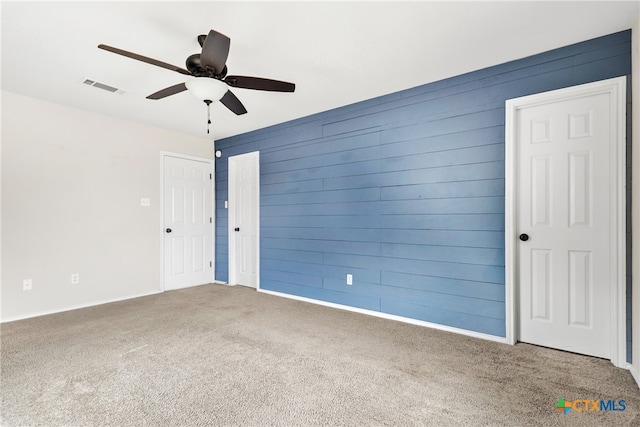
255 156
212 165
616 88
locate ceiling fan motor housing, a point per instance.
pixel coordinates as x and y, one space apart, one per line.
195 67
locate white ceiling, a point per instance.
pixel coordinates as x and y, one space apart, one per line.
337 53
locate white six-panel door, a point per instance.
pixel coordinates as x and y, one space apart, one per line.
564 182
188 224
567 194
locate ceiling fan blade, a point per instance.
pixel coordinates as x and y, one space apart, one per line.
230 101
259 83
144 59
215 51
168 91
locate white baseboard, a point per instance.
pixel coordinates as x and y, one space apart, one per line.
473 334
93 304
634 373
76 307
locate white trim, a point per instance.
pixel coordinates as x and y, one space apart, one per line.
255 155
212 165
635 197
77 307
634 373
185 156
257 220
213 216
619 227
390 317
616 88
231 241
510 298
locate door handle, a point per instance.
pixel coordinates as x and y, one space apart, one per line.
524 237
236 229
168 230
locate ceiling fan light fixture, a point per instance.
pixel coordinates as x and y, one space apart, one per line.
207 88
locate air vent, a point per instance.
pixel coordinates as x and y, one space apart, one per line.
104 86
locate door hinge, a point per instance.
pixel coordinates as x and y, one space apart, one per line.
210 176
210 264
210 220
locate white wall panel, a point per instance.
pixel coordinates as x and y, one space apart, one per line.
71 188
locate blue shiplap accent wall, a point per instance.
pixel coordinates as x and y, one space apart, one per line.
404 191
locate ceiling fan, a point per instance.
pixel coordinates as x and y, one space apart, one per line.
210 71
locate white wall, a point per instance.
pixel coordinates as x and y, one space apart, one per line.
71 188
635 197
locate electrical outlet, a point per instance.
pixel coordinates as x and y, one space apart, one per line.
75 278
349 279
144 201
27 284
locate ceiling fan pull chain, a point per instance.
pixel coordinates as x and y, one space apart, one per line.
208 114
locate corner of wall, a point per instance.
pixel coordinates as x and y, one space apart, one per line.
0 200
635 197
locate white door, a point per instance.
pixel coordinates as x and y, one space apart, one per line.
565 174
188 222
244 175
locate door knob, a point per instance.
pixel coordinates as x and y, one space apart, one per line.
168 230
524 237
236 229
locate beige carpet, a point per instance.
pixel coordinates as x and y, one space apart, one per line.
217 355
